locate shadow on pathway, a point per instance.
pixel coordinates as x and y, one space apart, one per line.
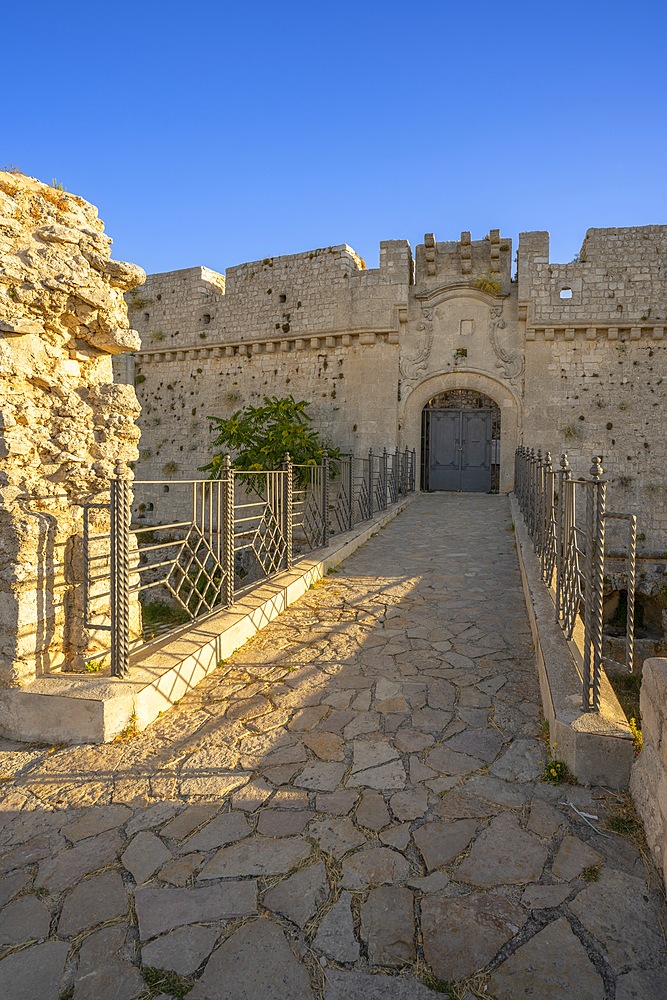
350 809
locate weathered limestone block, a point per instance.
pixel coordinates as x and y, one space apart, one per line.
648 782
63 423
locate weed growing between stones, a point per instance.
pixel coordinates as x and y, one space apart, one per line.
431 981
591 874
556 772
637 736
131 730
626 688
159 981
475 986
625 821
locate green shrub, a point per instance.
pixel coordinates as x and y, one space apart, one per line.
261 435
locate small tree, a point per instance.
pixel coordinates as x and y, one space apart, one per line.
261 435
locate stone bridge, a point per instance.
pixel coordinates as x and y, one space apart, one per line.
349 808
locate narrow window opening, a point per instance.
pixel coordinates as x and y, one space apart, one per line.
283 298
566 293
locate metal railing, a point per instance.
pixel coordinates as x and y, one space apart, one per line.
233 533
566 519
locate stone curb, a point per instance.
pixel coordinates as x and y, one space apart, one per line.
83 708
597 747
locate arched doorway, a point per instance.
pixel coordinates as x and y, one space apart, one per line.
461 442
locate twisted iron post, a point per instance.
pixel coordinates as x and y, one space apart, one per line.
631 583
287 509
370 482
350 491
325 497
547 519
120 569
228 530
600 492
562 529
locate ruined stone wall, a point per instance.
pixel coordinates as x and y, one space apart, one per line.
63 422
618 282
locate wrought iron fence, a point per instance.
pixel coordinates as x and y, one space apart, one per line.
567 519
233 533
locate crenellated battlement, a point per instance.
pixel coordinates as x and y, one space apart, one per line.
482 263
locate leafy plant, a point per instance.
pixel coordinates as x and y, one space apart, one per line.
261 435
637 736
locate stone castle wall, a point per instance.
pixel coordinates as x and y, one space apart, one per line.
63 421
316 326
596 370
583 373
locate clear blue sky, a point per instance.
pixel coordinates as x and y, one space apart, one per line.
216 133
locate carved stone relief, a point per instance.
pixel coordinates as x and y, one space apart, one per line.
510 363
413 366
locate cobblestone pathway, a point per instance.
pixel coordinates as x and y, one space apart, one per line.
348 809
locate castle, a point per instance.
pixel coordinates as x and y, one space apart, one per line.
448 352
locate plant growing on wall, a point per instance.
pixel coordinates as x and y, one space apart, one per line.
488 284
259 436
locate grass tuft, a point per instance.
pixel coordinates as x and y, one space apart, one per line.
430 980
160 981
591 874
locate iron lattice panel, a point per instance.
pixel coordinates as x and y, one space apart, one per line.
196 576
268 543
392 487
363 501
312 520
380 494
339 510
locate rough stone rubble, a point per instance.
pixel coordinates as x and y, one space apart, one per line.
63 423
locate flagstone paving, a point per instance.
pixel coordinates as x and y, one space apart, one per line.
348 809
